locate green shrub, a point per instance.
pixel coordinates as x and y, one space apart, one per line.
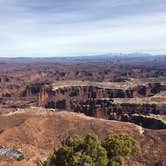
89 151
115 161
93 148
50 161
121 145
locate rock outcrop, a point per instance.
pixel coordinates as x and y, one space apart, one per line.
6 153
48 95
99 102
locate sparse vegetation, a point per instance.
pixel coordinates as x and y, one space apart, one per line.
90 151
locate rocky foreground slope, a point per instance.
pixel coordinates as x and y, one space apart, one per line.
38 134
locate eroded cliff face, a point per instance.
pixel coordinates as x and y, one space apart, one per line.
5 90
32 89
99 102
135 113
49 97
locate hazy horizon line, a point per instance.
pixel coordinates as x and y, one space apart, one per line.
84 56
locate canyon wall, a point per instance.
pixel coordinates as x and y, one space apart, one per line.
99 102
48 97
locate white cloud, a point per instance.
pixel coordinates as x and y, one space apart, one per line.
65 33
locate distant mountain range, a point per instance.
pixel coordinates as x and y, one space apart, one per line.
109 56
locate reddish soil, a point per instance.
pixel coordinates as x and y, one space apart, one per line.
39 134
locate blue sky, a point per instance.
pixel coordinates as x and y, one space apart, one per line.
81 27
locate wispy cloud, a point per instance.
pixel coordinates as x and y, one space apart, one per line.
61 28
